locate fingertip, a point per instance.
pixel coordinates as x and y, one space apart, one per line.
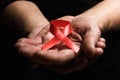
27 51
101 45
21 39
98 51
102 40
68 18
18 45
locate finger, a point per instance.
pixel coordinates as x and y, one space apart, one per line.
102 40
89 42
101 45
52 57
25 49
18 44
21 42
44 31
98 51
39 31
68 18
45 34
34 32
75 37
35 41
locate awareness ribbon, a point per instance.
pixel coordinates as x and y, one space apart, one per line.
60 29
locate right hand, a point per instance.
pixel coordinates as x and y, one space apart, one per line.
90 32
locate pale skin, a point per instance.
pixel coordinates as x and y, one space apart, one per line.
89 25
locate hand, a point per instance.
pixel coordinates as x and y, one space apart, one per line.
82 61
92 44
31 48
90 32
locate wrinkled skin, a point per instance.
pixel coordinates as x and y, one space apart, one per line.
86 35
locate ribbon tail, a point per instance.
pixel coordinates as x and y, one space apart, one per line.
71 45
50 44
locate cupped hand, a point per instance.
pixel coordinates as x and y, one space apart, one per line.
31 48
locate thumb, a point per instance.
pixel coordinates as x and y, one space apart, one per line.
89 42
39 31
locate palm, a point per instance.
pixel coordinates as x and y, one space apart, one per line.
31 48
59 58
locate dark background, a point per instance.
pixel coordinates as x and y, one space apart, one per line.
15 66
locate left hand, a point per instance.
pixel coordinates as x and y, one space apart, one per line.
31 48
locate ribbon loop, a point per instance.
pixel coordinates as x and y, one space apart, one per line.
60 29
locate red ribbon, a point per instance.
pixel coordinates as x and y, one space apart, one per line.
60 29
